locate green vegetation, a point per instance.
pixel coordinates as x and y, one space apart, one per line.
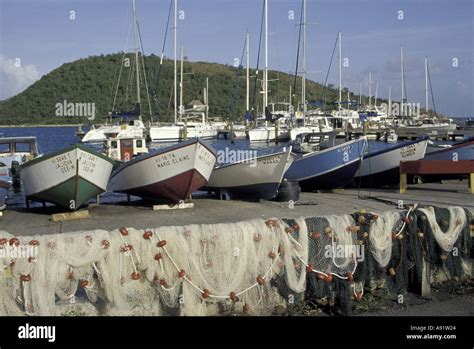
94 80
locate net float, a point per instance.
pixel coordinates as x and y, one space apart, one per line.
126 248
392 272
105 244
281 249
289 230
295 226
400 237
329 278
163 282
359 296
260 280
360 242
89 238
365 235
272 255
156 278
349 276
362 211
233 297
70 275
31 259
316 235
394 235
14 241
375 217
257 238
161 243
3 241
158 256
25 278
205 293
321 276
328 230
84 283
123 231
361 219
135 276
147 235
34 243
407 220
309 268
181 273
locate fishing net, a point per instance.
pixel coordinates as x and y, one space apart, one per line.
248 267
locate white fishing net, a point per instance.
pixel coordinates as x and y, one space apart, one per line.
457 220
246 267
381 236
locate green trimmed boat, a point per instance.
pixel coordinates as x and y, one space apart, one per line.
67 177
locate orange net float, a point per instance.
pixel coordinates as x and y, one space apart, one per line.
32 259
309 268
34 243
257 238
328 278
272 223
394 235
161 243
407 220
158 256
295 226
14 241
316 235
84 283
89 238
3 241
135 276
321 276
123 231
281 249
162 282
147 235
205 293
260 280
358 296
349 276
181 273
289 230
375 217
272 255
25 278
126 248
70 275
233 297
105 244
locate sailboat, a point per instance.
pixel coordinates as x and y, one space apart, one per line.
276 125
188 123
68 177
256 178
130 123
170 174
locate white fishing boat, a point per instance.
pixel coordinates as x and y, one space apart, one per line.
18 149
127 129
68 177
171 173
381 167
254 178
192 125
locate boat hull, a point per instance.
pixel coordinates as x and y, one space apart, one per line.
382 167
257 178
3 194
327 169
68 177
177 133
172 174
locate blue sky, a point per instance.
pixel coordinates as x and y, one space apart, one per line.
42 35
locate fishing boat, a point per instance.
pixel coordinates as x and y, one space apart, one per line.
382 167
171 173
68 177
328 168
276 125
391 137
254 178
127 127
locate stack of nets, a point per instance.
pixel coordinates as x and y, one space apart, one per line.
248 267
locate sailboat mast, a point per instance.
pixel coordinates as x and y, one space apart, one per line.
403 80
207 98
389 113
340 69
376 93
370 90
136 55
175 62
303 82
247 98
426 85
181 108
265 82
360 95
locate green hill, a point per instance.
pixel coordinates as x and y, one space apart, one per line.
94 80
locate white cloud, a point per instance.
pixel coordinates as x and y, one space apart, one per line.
15 77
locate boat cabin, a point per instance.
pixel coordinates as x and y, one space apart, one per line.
315 141
20 149
125 149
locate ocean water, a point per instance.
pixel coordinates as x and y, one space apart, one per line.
54 138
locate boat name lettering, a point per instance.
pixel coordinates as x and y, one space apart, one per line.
63 163
407 151
271 160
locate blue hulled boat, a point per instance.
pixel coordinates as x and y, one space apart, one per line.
329 167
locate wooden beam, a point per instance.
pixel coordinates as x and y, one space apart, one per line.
403 183
69 216
179 206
